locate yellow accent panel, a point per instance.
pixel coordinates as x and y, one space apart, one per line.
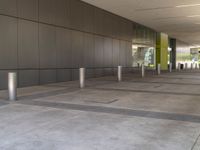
162 50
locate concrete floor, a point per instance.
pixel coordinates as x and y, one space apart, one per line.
151 113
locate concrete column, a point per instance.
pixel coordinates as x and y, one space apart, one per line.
143 71
170 67
82 77
12 86
119 74
158 69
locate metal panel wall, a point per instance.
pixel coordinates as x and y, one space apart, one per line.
28 9
47 46
46 41
28 51
8 42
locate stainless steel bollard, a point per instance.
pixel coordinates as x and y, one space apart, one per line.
143 70
192 66
196 66
186 66
138 65
179 66
12 86
170 67
82 77
119 74
158 69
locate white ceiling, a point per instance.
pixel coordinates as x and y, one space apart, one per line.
161 15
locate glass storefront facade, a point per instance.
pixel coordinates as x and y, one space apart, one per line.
143 46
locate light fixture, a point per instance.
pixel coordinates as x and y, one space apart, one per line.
189 5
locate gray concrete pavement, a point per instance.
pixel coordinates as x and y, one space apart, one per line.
151 113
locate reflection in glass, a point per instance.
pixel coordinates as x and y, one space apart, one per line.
143 54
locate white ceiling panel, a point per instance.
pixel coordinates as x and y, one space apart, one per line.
178 18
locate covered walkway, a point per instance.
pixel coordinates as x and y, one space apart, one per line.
151 113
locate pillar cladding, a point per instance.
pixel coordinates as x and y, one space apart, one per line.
162 43
173 52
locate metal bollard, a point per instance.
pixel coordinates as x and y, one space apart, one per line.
179 66
12 86
196 66
119 73
186 66
138 64
192 66
158 69
82 77
170 67
143 70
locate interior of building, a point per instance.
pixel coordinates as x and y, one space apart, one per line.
100 75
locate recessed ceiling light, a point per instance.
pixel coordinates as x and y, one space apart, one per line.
193 16
190 5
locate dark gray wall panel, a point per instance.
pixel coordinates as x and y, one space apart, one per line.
76 14
116 46
28 77
62 14
8 43
108 71
88 18
129 58
75 74
107 24
63 46
8 7
4 80
28 9
47 76
28 51
99 50
122 55
77 49
129 30
89 51
98 21
108 57
99 73
64 75
47 46
115 27
65 34
90 73
47 11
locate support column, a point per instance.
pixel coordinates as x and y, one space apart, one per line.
162 43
